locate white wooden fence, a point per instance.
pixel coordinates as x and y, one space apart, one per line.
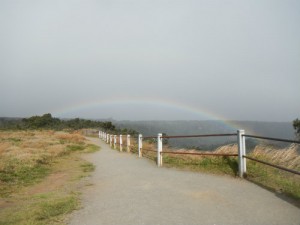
241 140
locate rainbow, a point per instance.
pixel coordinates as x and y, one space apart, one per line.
168 104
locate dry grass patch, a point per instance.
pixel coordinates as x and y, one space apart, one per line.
71 138
287 157
45 203
26 160
26 157
272 178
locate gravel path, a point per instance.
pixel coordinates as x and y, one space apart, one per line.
133 191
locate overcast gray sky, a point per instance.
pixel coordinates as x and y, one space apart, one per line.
151 59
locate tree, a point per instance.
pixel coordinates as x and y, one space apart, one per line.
37 122
165 140
46 121
108 126
296 125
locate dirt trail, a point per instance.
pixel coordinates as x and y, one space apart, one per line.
133 191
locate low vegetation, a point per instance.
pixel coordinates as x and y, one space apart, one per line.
272 178
38 175
296 125
42 209
47 122
211 164
88 167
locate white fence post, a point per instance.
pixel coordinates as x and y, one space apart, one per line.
115 141
107 138
241 153
244 154
128 143
121 142
110 140
159 150
140 146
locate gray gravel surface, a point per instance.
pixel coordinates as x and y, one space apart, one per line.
133 191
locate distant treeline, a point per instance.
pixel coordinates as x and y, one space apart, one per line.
46 121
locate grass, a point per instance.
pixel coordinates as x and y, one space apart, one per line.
91 148
31 160
272 178
22 174
15 140
27 162
75 147
47 209
217 165
209 164
88 167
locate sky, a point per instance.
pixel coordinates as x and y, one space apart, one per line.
151 59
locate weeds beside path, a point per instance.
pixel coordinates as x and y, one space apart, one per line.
129 190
